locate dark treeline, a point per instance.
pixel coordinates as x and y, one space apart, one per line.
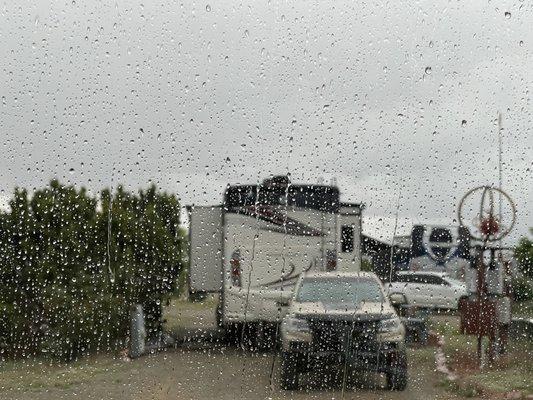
72 264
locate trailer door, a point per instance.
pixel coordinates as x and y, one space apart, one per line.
205 254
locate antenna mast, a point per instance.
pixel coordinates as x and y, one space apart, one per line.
500 163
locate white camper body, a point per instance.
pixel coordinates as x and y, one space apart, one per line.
253 253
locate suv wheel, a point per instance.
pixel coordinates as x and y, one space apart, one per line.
397 375
289 371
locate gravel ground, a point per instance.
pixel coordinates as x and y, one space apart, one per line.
204 371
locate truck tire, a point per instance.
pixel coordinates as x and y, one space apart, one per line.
289 371
397 374
196 297
233 333
218 315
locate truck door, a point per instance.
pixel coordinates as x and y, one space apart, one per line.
205 251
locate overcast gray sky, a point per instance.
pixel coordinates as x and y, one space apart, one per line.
386 97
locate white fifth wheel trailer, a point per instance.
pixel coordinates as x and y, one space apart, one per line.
252 248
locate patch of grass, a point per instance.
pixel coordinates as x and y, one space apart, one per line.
39 374
523 309
181 313
467 390
512 372
455 343
505 380
421 355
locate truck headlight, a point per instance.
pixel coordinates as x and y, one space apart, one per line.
390 325
295 330
293 324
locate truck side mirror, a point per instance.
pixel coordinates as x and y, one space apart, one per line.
397 299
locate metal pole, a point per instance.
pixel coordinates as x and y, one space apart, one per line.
480 282
500 165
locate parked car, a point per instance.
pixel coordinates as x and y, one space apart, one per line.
342 319
429 289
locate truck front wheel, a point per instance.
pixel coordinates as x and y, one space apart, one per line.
289 371
397 374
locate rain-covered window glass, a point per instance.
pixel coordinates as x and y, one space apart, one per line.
266 199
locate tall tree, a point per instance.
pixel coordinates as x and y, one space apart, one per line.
524 255
72 265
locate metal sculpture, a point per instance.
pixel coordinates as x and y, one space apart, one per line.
487 310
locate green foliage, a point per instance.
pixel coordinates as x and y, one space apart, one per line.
366 265
522 289
71 266
524 255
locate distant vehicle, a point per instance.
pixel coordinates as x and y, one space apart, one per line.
440 249
342 319
253 248
429 289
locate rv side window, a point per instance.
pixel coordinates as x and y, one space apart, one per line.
347 239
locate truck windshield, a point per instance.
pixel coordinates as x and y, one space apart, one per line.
339 290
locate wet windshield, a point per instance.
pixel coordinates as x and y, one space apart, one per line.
339 290
170 170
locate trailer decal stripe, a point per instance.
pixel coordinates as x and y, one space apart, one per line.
283 223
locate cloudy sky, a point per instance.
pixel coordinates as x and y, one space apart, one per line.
393 100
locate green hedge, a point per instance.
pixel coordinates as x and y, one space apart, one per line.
522 289
72 264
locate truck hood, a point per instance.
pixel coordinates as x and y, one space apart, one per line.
359 311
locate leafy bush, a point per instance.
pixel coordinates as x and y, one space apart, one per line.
72 265
524 255
522 289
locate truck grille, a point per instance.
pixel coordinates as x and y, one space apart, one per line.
335 335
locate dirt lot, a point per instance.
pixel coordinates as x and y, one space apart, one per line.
202 372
